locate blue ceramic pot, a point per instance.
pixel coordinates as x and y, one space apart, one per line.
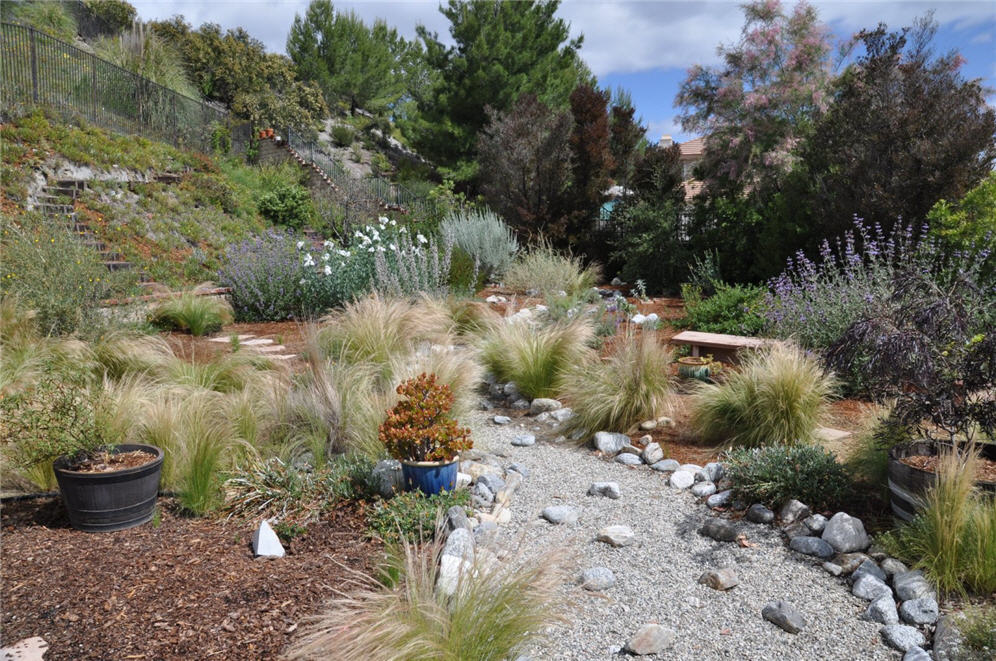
429 477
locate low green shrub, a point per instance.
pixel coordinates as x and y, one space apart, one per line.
733 309
774 474
51 272
342 136
413 515
535 358
776 395
288 205
953 539
294 496
193 313
978 630
616 393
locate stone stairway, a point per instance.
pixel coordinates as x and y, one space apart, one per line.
57 201
261 345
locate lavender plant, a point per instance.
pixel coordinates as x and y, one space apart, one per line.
265 276
814 302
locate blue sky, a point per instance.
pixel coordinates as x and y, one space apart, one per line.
643 46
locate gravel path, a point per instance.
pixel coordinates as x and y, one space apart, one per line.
656 579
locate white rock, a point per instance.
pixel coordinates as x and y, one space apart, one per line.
463 480
650 639
652 453
616 535
610 443
638 318
265 542
681 479
607 489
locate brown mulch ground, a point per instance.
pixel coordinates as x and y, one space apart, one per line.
187 589
199 349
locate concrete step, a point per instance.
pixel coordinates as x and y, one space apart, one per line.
117 265
227 338
273 348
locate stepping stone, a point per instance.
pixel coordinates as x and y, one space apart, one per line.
225 339
273 348
29 649
281 356
828 434
257 342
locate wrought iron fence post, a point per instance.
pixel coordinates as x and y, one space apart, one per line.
34 65
93 85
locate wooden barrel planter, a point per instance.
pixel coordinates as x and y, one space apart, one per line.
908 485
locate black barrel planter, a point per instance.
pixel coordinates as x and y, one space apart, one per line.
115 500
908 485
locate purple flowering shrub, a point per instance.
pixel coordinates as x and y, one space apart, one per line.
265 275
817 302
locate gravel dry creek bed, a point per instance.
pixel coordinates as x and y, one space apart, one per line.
656 579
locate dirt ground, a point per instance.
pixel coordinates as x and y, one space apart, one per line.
184 589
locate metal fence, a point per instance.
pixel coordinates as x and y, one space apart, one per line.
39 70
359 192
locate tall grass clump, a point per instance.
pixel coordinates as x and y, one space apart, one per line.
545 269
485 237
192 312
204 440
141 51
50 17
535 358
378 329
495 611
615 393
777 395
953 538
120 353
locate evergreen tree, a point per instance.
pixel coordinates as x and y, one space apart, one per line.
501 51
354 65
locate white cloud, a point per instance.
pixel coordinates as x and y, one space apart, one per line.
636 36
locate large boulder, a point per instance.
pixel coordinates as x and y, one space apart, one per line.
846 533
610 443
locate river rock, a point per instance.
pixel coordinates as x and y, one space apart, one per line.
846 533
811 546
912 585
882 610
610 443
902 637
758 513
560 514
652 453
784 615
607 489
919 611
719 579
524 440
703 489
681 479
870 588
666 466
793 511
650 639
719 529
543 405
596 579
616 535
628 459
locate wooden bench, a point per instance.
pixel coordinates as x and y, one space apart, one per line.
719 345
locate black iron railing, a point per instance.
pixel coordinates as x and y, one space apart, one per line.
39 70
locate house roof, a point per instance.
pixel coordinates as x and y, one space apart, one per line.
692 149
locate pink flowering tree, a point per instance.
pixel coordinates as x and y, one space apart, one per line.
755 107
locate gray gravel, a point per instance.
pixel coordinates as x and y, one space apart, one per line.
656 578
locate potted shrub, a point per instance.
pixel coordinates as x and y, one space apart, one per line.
698 367
105 485
931 348
420 433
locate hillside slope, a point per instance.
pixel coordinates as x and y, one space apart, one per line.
168 211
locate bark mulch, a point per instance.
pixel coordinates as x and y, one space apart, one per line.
185 589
